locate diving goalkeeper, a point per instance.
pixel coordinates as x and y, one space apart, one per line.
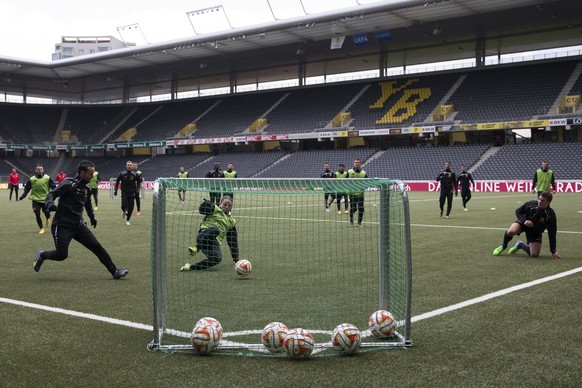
217 225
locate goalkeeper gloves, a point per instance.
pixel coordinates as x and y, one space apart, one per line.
206 207
93 222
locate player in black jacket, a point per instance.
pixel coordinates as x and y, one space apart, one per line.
465 179
448 181
68 223
215 173
327 174
129 182
533 218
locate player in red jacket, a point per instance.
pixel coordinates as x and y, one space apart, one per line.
13 183
61 176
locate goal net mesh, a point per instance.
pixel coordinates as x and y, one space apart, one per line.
311 267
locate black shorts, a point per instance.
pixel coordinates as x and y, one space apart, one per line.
38 206
532 236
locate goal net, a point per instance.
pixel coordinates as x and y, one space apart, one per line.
311 267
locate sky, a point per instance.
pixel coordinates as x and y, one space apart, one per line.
31 28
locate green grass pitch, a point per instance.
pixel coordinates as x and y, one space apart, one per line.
530 337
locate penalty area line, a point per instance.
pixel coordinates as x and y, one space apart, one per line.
417 318
494 295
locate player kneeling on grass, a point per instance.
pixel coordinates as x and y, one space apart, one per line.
217 225
533 217
68 223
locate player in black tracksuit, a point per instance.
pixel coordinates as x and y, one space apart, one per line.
68 223
533 217
129 189
448 181
325 175
465 179
215 173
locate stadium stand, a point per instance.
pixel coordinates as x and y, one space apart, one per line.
507 93
367 117
134 118
520 161
28 124
510 93
27 165
512 161
234 114
305 110
309 164
108 167
577 87
422 163
171 119
246 164
168 165
90 124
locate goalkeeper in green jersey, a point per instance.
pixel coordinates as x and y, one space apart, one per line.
216 226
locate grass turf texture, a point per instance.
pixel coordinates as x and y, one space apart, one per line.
526 338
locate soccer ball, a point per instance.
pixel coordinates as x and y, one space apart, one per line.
273 336
382 324
205 338
298 343
346 338
243 268
210 321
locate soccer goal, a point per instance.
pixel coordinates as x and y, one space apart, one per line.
311 268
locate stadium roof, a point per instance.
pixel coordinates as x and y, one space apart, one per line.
420 32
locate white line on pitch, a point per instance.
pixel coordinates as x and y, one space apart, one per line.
416 318
479 227
493 295
79 314
436 198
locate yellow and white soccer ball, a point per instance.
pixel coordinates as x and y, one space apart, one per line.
382 324
243 268
205 338
298 343
273 336
210 321
346 338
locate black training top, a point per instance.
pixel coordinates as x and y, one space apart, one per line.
73 194
542 219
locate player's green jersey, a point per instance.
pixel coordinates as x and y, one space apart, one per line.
231 174
39 188
544 179
341 174
183 175
94 182
357 174
219 219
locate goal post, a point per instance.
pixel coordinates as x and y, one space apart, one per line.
312 267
